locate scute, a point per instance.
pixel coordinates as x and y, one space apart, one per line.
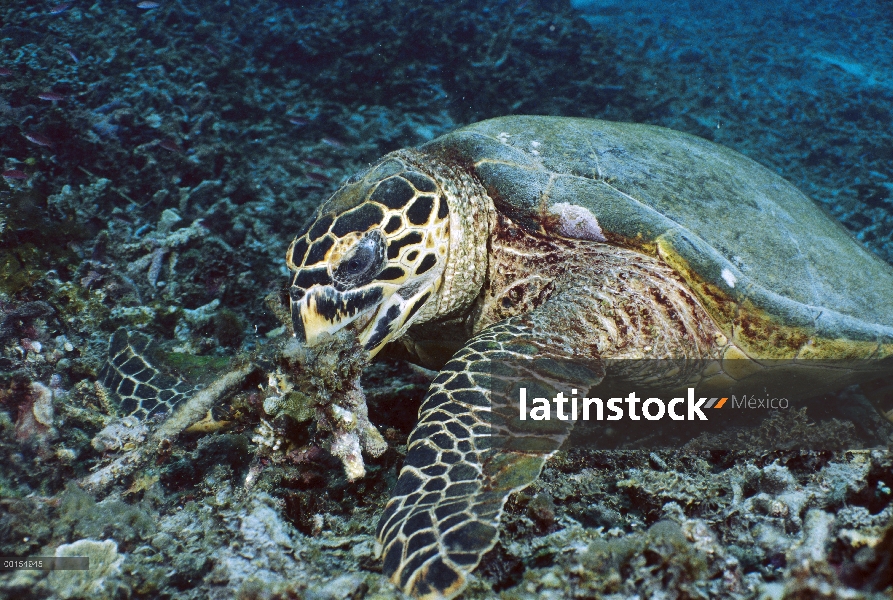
743 237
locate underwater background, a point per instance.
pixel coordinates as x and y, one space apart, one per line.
158 157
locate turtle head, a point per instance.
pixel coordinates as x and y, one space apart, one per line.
372 258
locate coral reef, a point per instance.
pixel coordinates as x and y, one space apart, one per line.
157 160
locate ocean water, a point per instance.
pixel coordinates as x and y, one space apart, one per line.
158 158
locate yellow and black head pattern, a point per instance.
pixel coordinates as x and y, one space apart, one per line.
372 258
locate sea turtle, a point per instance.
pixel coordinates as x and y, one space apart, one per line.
569 238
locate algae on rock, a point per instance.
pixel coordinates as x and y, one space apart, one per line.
99 582
329 373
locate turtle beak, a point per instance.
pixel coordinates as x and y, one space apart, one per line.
323 311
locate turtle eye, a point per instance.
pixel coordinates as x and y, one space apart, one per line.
363 262
355 265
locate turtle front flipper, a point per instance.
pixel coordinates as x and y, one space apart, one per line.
468 453
146 386
142 389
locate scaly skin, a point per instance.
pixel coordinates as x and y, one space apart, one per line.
143 390
542 298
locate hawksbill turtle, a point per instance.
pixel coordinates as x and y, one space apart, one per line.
572 238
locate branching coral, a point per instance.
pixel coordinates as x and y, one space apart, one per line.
161 243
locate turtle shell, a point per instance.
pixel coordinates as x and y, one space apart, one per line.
779 276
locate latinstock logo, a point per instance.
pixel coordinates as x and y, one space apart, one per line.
573 408
538 405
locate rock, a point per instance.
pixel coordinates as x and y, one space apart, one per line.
100 581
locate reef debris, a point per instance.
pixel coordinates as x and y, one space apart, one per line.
325 379
189 412
99 581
